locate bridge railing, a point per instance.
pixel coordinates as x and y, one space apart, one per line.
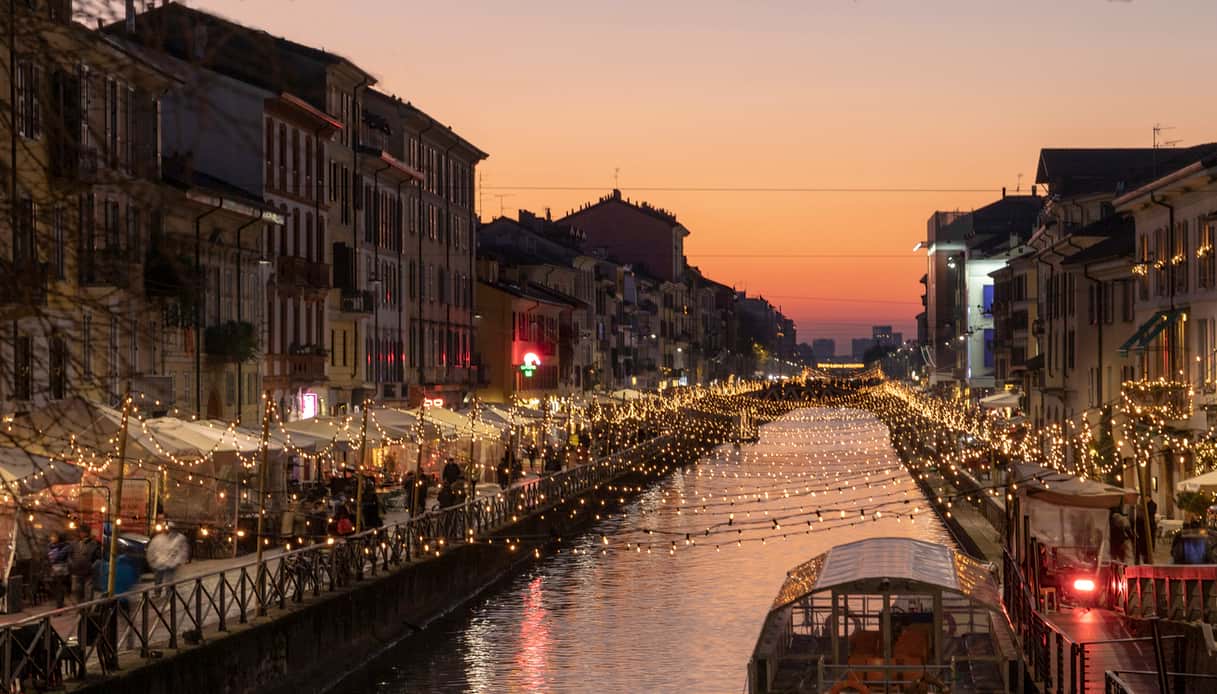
73 642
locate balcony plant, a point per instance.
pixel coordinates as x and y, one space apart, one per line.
307 350
231 341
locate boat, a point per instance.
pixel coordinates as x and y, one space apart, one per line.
887 615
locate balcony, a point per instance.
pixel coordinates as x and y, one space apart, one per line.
106 267
302 274
23 283
357 300
1169 400
288 370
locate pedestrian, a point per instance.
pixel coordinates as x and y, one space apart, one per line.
451 471
1152 507
86 552
371 505
167 550
503 472
343 525
422 487
59 554
531 452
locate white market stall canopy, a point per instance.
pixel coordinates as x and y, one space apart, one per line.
1203 483
999 400
25 472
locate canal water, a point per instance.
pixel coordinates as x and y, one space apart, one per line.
656 611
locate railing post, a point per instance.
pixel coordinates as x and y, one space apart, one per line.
1060 663
223 616
173 616
1077 681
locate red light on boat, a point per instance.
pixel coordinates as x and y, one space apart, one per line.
1084 585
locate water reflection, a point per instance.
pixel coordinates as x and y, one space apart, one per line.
676 613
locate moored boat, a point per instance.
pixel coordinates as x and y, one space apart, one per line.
886 615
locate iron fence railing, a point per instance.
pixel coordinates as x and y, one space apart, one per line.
73 642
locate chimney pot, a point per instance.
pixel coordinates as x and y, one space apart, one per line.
1003 192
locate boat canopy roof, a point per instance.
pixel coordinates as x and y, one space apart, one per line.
1066 490
858 565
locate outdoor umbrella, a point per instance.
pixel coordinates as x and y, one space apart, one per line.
1202 483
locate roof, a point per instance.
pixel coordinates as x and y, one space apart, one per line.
1081 171
894 558
643 207
245 53
1120 241
534 292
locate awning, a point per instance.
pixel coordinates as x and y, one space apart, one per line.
1066 490
1204 483
1149 330
1000 400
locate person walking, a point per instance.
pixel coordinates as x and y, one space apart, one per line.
451 472
86 552
167 550
59 554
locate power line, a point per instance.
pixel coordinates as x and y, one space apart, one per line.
748 189
814 256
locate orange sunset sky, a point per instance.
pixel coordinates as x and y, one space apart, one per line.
813 94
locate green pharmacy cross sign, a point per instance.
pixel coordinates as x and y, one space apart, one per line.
529 367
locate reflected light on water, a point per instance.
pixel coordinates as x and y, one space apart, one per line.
685 616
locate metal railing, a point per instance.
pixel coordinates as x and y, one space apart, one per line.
73 642
1127 681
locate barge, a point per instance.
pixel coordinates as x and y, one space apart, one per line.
887 615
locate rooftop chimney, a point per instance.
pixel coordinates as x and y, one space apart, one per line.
130 16
1003 192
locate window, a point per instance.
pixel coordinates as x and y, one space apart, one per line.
29 106
23 246
1129 303
269 154
1206 264
23 368
282 182
86 356
111 122
57 238
58 362
295 161
230 388
133 233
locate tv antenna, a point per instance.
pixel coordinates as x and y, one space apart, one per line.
1019 185
1158 128
501 196
617 178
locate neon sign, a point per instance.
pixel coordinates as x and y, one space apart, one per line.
433 402
531 362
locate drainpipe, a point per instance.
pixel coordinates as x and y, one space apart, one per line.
201 283
240 305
